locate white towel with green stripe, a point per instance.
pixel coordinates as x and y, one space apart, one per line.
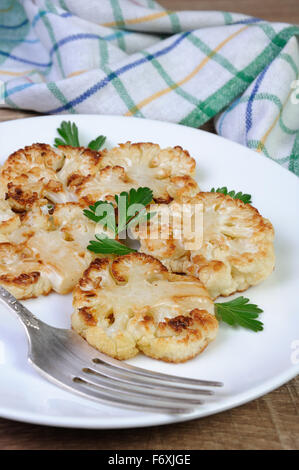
134 58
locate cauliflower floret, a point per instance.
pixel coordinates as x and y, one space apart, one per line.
78 163
31 222
132 303
21 273
50 242
69 178
103 186
166 171
236 250
29 175
9 221
146 160
40 173
73 224
63 260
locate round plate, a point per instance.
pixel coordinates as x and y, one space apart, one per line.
250 364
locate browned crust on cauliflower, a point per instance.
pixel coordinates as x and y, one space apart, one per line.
20 198
23 279
72 178
168 172
132 303
80 174
30 174
21 273
90 157
121 271
44 250
237 249
9 220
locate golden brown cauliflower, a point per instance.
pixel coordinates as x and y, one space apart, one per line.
103 186
47 250
132 303
236 250
166 171
9 221
78 163
68 174
30 174
21 273
56 236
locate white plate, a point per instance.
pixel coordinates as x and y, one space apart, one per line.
250 364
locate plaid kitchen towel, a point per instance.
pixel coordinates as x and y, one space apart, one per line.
134 58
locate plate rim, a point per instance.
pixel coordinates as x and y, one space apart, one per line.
92 423
153 419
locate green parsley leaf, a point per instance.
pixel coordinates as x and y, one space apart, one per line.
239 312
69 133
97 143
126 201
107 245
246 198
102 212
141 195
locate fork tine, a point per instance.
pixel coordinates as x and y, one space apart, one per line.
137 392
111 367
130 379
101 394
106 396
158 376
150 390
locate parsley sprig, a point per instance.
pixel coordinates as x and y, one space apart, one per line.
133 205
107 245
97 143
246 198
239 312
131 208
102 212
69 134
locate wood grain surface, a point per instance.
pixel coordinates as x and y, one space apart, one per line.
284 11
271 422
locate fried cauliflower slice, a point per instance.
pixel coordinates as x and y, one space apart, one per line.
236 250
21 273
47 250
132 304
78 163
63 248
43 191
75 174
103 186
29 175
63 261
9 221
46 259
62 245
31 222
73 224
166 171
39 172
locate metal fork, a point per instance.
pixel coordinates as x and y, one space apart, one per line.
64 358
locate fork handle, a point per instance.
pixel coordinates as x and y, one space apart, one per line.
26 317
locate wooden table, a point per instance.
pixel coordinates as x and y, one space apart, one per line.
271 422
